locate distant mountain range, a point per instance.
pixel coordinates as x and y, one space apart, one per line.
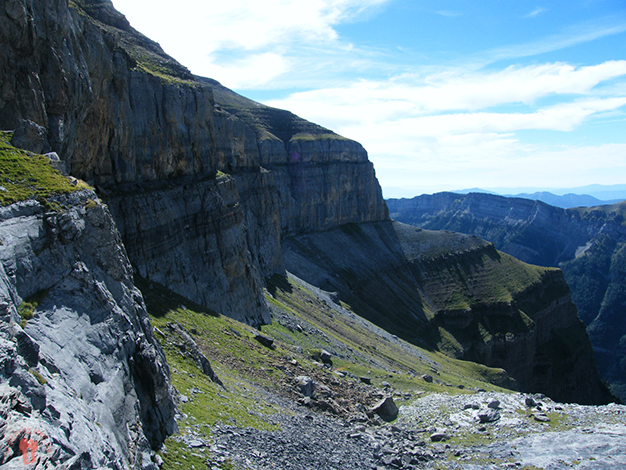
584 196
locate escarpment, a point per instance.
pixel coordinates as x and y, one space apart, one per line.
494 309
212 193
586 243
131 120
458 294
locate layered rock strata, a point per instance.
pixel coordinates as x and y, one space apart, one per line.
458 294
129 119
586 243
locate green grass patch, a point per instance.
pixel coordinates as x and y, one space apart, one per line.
367 354
306 137
240 361
176 455
27 308
40 378
25 176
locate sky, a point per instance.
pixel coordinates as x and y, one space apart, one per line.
443 94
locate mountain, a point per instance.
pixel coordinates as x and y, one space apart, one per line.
218 205
566 201
586 243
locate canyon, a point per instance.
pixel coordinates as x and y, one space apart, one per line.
191 189
586 243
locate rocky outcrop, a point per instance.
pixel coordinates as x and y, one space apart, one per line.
211 192
83 381
586 243
124 116
458 294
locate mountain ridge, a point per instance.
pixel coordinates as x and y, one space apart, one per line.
203 200
586 243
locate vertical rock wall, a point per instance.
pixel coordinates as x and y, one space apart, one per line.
149 135
84 377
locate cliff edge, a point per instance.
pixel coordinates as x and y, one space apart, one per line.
82 377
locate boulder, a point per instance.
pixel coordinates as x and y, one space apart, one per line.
488 415
265 340
326 357
494 404
386 409
305 385
439 437
29 136
541 417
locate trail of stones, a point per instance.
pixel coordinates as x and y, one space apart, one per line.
432 431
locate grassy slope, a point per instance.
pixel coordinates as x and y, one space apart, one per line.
249 371
613 211
26 176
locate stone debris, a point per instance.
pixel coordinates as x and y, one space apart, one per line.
428 433
386 409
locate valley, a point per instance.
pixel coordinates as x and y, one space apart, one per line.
586 243
191 279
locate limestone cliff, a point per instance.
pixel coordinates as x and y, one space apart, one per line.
81 375
135 123
586 243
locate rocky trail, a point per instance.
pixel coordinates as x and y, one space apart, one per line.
481 430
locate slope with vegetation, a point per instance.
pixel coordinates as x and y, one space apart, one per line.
587 243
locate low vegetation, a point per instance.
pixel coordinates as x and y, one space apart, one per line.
303 325
24 175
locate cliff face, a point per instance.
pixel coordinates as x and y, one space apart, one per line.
135 123
81 372
458 294
586 243
495 310
212 193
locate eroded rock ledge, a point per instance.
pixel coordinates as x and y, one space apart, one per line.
81 372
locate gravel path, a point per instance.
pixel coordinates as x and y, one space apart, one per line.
476 431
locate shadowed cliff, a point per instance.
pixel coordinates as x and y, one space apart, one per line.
586 243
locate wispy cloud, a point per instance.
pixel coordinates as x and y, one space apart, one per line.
536 12
580 35
247 28
462 120
450 13
415 95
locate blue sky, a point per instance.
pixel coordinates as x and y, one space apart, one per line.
444 95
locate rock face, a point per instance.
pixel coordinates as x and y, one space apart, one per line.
123 115
212 193
83 379
458 294
586 243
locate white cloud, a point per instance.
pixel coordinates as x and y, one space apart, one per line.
250 72
535 12
191 30
413 97
440 128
